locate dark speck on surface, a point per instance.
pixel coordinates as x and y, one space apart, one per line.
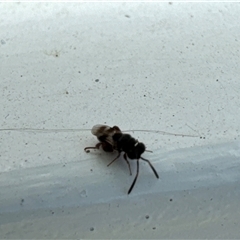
97 80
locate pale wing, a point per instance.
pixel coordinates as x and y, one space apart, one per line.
101 130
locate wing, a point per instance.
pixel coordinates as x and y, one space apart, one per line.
104 133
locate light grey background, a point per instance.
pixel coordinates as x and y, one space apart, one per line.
166 66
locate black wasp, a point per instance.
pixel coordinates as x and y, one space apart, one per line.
112 139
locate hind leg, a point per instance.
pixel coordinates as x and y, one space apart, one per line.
135 179
119 153
86 149
125 158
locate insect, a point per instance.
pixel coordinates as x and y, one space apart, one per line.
112 139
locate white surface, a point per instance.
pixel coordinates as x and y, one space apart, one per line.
170 67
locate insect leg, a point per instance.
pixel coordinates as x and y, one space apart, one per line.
148 151
154 170
125 157
114 159
86 149
135 179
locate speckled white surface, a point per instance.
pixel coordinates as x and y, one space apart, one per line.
170 67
